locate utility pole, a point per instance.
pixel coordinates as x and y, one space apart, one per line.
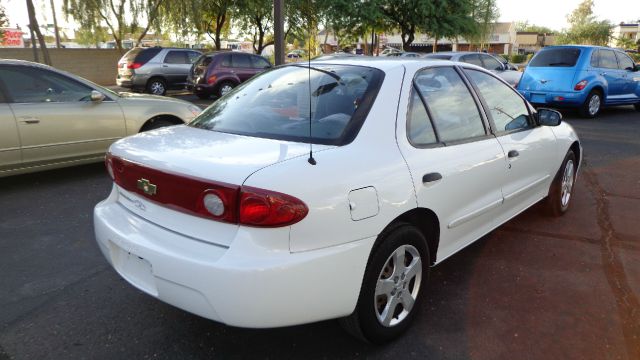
278 31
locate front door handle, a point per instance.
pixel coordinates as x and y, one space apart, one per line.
431 177
29 120
513 153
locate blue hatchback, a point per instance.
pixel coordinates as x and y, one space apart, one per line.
583 77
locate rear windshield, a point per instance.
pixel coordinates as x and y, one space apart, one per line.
561 57
281 104
140 55
441 57
204 61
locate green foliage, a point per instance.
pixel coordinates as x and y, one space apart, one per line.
626 43
584 28
524 26
529 56
484 13
517 58
4 21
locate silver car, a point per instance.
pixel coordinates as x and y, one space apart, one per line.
155 69
489 62
51 119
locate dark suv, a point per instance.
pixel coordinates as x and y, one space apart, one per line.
155 69
219 72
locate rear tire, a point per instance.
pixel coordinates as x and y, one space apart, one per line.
592 105
156 86
393 286
561 191
637 106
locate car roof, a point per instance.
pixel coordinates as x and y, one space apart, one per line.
384 63
26 63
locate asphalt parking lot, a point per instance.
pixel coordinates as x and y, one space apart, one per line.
535 288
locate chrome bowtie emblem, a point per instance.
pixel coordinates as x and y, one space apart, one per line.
544 81
147 187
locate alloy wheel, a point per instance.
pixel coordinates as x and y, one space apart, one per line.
398 285
567 183
594 104
157 88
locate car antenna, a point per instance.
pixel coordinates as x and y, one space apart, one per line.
311 160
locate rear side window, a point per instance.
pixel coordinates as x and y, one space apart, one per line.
419 127
141 55
624 61
453 109
226 60
192 56
176 57
281 104
472 59
556 57
241 61
607 59
31 85
204 61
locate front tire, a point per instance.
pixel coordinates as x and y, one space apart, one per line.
561 190
637 106
224 88
156 124
392 288
592 105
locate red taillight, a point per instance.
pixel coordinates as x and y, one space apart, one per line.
264 208
581 85
211 199
212 79
134 65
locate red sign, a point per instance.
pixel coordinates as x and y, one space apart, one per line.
12 38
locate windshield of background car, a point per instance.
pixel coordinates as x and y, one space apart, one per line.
282 104
559 57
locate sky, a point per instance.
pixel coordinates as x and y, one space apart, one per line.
549 13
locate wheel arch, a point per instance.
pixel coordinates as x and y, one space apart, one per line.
575 147
423 219
167 117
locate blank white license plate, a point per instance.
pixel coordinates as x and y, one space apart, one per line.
134 268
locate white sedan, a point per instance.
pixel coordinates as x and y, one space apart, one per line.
312 193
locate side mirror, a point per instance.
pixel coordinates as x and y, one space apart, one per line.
548 117
97 96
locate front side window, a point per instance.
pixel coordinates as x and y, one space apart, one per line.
226 60
32 85
491 63
508 111
454 111
282 104
625 61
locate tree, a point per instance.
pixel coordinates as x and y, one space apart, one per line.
448 19
120 16
33 24
524 26
255 18
584 28
92 37
4 21
626 43
406 16
484 13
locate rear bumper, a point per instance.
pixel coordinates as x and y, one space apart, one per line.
200 88
555 98
247 284
135 81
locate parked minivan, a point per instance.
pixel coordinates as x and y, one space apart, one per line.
583 77
218 72
155 69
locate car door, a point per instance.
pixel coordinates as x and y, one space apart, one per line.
55 117
259 64
531 149
456 165
9 140
630 89
608 68
176 66
242 66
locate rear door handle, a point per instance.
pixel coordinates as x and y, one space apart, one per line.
513 153
29 120
431 177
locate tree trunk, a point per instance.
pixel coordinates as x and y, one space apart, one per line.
153 14
435 43
34 25
36 58
55 25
